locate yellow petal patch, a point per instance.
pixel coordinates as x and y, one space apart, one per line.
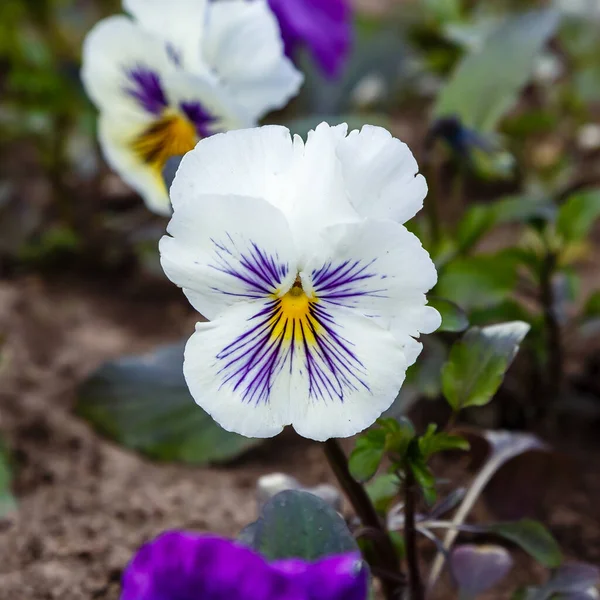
293 318
171 135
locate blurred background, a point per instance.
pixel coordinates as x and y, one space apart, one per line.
500 102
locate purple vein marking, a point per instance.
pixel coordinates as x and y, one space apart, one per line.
311 345
146 88
260 273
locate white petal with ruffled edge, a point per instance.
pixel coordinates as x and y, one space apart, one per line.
381 175
114 52
348 380
227 250
249 162
181 24
243 45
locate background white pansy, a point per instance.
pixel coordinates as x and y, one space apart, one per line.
174 74
305 293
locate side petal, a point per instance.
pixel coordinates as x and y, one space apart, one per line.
123 68
381 175
117 135
243 45
226 250
249 162
378 269
181 26
343 385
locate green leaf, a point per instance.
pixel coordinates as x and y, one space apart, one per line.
478 281
383 491
431 442
591 309
577 215
367 455
487 82
143 403
533 537
481 218
478 361
302 126
7 501
424 478
400 434
295 524
454 318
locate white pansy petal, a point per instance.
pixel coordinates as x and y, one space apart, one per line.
204 104
116 135
377 268
351 375
226 250
181 24
262 365
235 378
318 195
247 162
124 67
381 175
243 45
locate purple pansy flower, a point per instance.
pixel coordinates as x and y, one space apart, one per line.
180 565
324 26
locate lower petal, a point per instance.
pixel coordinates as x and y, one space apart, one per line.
117 140
352 374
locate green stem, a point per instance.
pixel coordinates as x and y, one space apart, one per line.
415 583
432 211
385 559
555 364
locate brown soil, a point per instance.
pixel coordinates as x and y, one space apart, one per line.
85 504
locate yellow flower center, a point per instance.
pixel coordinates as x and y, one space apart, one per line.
171 135
293 318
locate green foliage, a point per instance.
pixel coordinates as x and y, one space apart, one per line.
295 524
479 219
383 491
7 500
367 455
486 82
533 537
478 361
479 281
454 319
577 215
143 403
416 462
432 442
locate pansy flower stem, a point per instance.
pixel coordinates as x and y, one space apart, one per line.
387 565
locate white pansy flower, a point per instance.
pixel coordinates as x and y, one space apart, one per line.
314 290
177 72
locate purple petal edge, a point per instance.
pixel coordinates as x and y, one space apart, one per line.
180 565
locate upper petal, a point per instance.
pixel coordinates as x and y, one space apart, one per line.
381 175
225 250
324 26
124 67
244 47
181 26
249 162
